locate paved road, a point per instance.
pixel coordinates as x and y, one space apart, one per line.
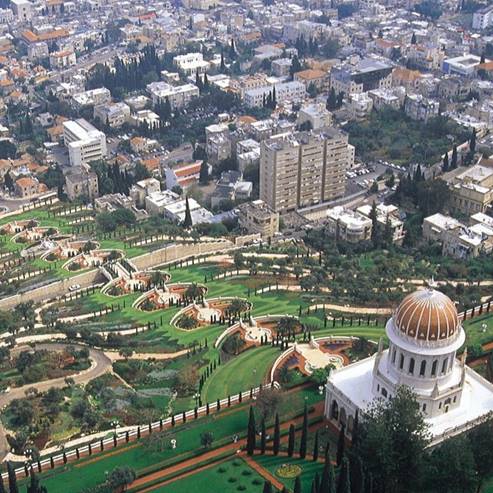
100 364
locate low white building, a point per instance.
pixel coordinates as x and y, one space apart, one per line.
178 96
293 91
386 214
424 334
114 115
93 97
348 225
176 212
191 63
62 59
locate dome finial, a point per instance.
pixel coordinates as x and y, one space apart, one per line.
431 283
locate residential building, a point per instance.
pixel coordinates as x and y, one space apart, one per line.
316 114
471 189
385 98
191 63
28 187
360 105
81 183
142 189
176 212
231 186
303 169
387 216
156 201
23 9
62 59
247 153
93 97
318 78
482 18
85 143
421 108
458 240
182 175
258 217
114 115
364 76
293 91
348 225
113 201
178 96
281 67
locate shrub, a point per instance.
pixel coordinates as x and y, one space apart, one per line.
232 479
221 470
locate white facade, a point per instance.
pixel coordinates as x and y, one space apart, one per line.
23 9
483 18
287 91
424 335
178 96
85 143
191 63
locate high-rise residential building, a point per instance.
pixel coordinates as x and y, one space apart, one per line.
302 169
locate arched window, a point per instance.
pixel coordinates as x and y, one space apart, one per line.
444 365
422 368
384 392
393 355
411 366
424 408
401 362
434 368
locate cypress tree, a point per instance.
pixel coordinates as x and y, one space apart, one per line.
187 221
453 162
263 438
251 438
327 483
472 142
277 436
445 166
315 447
304 433
356 474
341 445
291 441
204 173
344 484
297 485
13 488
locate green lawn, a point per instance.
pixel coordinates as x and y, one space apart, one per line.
242 372
476 333
232 475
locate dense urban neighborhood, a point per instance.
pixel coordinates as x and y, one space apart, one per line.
246 246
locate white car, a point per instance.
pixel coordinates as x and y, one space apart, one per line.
74 287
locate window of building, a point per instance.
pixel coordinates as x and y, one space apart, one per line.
422 368
434 368
401 362
384 392
440 406
444 366
424 407
411 366
393 355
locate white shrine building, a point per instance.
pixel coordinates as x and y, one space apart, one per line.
424 335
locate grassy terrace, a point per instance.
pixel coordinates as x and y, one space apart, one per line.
229 476
90 471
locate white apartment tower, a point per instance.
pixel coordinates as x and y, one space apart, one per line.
302 169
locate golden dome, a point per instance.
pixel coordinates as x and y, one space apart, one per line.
427 315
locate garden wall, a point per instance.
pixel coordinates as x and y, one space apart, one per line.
52 290
180 251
